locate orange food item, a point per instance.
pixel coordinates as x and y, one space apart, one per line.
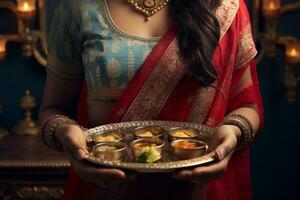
185 145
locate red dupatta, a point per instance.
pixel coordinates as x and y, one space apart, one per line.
161 90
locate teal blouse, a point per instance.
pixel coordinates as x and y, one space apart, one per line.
85 43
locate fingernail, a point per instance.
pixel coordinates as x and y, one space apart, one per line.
81 154
221 153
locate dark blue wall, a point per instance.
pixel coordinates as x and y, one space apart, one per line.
274 155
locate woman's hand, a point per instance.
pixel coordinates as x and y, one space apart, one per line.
224 143
74 143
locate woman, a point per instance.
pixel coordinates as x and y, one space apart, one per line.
153 59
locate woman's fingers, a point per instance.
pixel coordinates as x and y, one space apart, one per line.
76 145
225 141
226 147
88 172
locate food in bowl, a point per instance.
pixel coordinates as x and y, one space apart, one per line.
184 144
182 133
188 148
110 151
110 136
149 132
147 150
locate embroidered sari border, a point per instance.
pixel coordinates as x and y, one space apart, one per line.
158 87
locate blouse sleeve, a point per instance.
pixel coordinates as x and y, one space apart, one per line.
64 59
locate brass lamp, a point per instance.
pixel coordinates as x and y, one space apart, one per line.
33 41
27 126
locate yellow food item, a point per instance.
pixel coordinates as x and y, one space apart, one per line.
113 137
106 149
182 134
146 134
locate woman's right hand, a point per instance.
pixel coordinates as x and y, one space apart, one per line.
74 143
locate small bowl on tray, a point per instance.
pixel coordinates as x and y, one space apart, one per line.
147 150
185 149
182 133
111 151
109 136
149 132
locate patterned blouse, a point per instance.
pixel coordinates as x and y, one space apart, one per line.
85 43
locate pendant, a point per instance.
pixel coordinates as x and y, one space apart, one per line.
148 7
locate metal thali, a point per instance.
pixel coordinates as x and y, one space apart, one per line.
205 134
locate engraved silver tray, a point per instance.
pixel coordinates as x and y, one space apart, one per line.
162 166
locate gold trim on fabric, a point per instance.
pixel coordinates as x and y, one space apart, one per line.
225 15
202 103
246 48
159 85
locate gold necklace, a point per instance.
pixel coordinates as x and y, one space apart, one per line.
148 7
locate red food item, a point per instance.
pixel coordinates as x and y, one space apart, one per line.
185 145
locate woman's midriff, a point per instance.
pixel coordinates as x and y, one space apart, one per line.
98 112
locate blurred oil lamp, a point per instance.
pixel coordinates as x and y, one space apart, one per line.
26 11
26 8
292 59
2 47
271 8
292 53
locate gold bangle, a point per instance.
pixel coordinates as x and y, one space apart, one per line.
247 136
246 120
49 127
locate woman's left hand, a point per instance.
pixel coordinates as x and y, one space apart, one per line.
224 142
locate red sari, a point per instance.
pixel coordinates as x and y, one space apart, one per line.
162 90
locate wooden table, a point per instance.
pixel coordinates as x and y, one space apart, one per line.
30 170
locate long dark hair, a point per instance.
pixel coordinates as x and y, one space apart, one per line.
198 34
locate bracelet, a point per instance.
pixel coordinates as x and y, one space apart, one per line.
246 120
244 125
48 129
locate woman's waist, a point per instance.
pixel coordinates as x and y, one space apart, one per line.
106 94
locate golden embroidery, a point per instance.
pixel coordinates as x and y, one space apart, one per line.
202 103
102 21
115 47
225 14
246 48
106 33
157 88
113 69
132 42
131 70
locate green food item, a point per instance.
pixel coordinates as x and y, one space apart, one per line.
148 155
